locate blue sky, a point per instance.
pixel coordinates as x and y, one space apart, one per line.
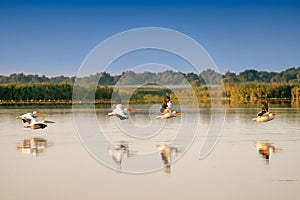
54 37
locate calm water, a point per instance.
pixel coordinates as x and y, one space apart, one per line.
233 170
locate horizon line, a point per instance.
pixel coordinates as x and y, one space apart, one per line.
113 74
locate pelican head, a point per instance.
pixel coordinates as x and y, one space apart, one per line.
38 114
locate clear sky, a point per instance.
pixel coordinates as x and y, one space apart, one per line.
54 37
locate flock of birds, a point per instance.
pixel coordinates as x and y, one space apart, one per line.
122 113
30 119
119 152
265 149
33 145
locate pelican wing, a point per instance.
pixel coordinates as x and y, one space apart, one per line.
39 125
36 125
264 118
38 114
26 121
166 116
265 114
26 118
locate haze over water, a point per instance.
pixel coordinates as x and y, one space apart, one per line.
233 170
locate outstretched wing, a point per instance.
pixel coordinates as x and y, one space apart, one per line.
118 112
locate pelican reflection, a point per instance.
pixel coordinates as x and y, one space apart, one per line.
266 149
166 153
33 146
120 152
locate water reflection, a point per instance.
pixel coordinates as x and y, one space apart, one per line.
33 146
166 153
120 152
266 149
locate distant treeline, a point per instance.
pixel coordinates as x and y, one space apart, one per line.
51 92
255 92
207 77
248 86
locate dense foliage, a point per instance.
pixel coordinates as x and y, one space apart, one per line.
51 92
210 77
247 86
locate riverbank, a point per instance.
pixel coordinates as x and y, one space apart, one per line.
106 103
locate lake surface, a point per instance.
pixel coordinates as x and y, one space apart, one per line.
77 163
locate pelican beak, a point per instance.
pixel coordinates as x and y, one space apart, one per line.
40 114
18 117
48 122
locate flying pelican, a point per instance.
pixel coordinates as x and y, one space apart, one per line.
264 115
168 114
166 155
29 116
118 111
38 125
33 146
264 118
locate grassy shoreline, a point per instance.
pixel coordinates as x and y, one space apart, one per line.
136 102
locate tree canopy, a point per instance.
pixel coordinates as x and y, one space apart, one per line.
168 77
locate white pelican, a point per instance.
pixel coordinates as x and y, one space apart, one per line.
166 155
264 115
168 114
268 116
38 125
29 116
118 111
166 104
264 118
33 146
